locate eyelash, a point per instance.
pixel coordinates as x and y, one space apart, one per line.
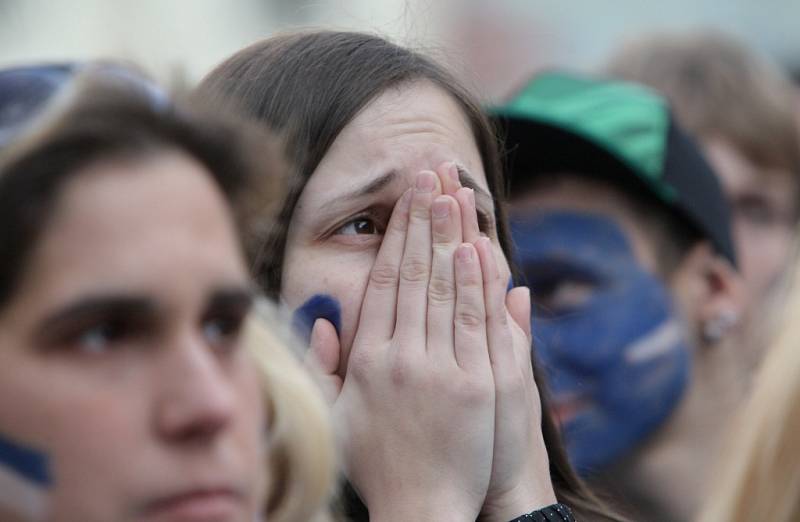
485 223
377 219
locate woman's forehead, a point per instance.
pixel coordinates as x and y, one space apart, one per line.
405 130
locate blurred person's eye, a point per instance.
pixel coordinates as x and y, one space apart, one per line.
99 336
223 323
223 331
102 337
757 210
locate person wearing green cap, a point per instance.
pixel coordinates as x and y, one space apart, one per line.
741 107
624 238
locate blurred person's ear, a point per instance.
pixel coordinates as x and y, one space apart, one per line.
709 292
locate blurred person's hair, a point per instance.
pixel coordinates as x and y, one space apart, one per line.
105 118
758 474
301 458
308 86
101 117
719 88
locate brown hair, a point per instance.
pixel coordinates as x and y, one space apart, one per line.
720 88
308 86
102 116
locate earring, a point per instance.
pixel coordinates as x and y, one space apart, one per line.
715 329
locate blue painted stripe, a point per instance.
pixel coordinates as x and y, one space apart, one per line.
26 462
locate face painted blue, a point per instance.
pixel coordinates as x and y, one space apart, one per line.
319 306
605 330
24 480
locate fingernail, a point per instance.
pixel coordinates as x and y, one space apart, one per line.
471 195
452 171
464 252
426 182
441 207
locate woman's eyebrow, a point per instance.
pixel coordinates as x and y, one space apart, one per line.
469 182
373 187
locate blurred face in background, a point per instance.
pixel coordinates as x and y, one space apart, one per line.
338 223
608 331
120 362
764 215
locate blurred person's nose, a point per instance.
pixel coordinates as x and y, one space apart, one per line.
197 397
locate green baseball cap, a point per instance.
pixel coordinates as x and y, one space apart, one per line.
618 131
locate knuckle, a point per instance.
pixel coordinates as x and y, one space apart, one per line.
419 213
383 276
414 270
440 289
469 317
400 373
470 278
360 365
476 392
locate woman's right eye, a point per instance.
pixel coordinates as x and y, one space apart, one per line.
358 226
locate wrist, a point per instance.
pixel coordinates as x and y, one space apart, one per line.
518 501
553 513
422 510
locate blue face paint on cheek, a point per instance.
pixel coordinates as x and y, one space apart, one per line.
616 358
24 480
318 306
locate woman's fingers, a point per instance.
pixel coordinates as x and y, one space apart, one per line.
448 177
518 303
469 215
470 314
377 320
415 266
322 358
501 349
446 234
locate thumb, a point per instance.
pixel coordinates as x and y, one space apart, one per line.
518 303
322 358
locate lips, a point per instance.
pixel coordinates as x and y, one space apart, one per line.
213 504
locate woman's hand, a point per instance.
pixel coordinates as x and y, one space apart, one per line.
417 402
520 480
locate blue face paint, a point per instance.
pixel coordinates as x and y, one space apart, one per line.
606 332
319 306
24 480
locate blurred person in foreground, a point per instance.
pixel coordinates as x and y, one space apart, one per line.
743 110
623 234
758 473
135 381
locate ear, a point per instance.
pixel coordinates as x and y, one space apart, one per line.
710 293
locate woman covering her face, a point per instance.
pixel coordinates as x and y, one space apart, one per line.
126 391
392 245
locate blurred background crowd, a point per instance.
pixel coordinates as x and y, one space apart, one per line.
651 153
495 44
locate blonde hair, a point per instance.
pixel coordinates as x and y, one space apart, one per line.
300 457
759 474
719 88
